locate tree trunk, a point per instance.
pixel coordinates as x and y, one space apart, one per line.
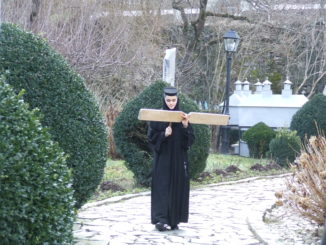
111 115
35 10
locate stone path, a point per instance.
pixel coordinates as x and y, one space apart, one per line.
226 213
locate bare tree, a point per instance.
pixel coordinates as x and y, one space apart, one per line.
299 41
118 54
118 45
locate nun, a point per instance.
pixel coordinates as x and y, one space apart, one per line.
170 143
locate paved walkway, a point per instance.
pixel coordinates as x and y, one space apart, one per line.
219 214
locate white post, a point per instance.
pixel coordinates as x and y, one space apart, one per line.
238 85
246 88
259 87
169 66
287 91
267 87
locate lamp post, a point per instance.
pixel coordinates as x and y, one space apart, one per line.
231 42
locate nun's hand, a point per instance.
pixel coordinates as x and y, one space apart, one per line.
168 131
185 120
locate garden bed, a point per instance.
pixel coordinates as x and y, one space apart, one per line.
118 180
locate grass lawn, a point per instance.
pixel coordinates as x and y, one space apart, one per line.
117 173
220 161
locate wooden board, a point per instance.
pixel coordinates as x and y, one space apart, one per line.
208 118
159 115
175 116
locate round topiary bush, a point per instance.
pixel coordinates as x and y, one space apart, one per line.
130 134
258 138
285 147
313 112
69 110
36 198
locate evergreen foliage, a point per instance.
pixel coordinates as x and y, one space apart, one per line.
130 134
258 138
311 117
285 147
36 198
69 109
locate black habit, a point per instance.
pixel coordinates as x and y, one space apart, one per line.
170 175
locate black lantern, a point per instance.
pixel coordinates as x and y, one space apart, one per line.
231 41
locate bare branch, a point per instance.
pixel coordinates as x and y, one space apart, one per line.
230 16
178 6
200 22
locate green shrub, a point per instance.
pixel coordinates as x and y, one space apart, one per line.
313 112
130 134
285 147
36 198
69 110
258 138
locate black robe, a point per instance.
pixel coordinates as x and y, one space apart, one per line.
170 175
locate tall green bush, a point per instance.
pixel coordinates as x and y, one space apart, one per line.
313 112
130 134
69 109
258 138
36 198
285 147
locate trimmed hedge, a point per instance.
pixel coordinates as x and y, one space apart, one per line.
130 134
304 120
258 138
69 110
285 147
36 198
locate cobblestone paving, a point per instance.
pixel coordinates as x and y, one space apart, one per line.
219 214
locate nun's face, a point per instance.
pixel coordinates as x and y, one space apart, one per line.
171 101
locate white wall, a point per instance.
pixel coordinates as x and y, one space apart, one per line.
272 117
